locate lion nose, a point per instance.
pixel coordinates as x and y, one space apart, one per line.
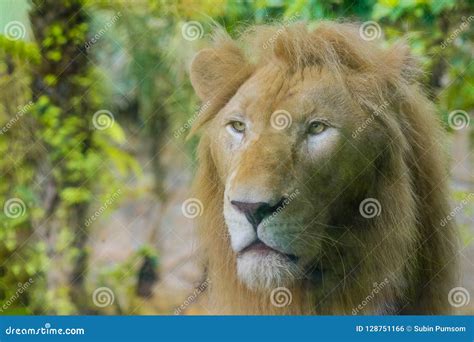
256 212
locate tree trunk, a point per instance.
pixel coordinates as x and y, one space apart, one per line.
64 59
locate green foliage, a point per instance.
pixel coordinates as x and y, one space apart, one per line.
51 146
17 173
20 49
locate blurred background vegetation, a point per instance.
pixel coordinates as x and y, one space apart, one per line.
95 104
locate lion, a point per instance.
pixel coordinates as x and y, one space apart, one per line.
321 174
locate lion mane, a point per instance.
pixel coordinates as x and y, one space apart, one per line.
401 262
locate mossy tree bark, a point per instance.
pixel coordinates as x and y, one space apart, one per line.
62 83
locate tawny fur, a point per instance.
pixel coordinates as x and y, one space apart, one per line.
407 238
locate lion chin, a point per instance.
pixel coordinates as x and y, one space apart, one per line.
266 270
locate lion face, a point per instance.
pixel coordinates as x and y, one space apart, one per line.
296 136
281 135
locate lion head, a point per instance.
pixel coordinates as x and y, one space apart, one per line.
316 156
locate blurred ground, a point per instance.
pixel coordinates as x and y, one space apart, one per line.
141 220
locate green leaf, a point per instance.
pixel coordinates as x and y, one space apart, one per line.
72 195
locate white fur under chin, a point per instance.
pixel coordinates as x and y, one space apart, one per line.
266 271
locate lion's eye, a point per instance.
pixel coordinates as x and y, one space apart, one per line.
316 127
237 126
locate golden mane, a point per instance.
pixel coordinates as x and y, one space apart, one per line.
408 238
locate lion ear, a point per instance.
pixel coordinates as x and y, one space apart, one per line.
404 66
218 71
